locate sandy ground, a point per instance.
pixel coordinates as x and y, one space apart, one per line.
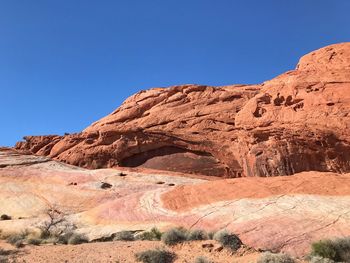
122 252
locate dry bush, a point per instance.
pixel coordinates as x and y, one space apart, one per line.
76 239
56 223
153 234
228 240
34 241
155 256
321 260
19 244
202 259
337 250
197 234
124 236
269 257
211 234
13 238
174 236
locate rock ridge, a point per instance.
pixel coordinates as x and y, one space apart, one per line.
298 121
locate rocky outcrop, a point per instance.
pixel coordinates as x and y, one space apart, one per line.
277 214
298 121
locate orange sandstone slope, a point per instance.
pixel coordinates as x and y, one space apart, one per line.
298 121
277 213
186 197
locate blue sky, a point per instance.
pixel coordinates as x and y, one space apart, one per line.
65 64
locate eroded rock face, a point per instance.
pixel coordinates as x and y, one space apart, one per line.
298 121
282 214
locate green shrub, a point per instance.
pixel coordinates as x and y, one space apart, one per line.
211 234
19 243
51 237
342 246
197 234
321 260
51 240
76 239
337 249
202 259
153 234
155 256
5 255
228 240
12 239
44 234
268 257
124 236
174 236
324 249
64 238
34 241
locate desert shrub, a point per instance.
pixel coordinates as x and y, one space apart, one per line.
342 246
5 256
321 260
76 239
337 249
211 234
4 252
153 234
55 224
13 238
197 234
44 234
64 237
324 249
202 259
124 236
228 240
53 237
34 241
5 217
51 240
268 257
19 243
155 256
68 237
174 236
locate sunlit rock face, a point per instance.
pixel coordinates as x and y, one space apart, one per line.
298 121
277 213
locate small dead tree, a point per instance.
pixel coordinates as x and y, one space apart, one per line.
56 223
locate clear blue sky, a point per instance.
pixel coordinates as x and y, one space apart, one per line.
67 63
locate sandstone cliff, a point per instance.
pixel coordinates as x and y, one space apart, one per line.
298 121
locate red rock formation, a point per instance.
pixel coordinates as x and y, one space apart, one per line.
298 121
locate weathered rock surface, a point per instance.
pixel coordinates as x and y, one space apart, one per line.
298 121
277 213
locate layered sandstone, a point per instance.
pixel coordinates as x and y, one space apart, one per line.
277 213
298 121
